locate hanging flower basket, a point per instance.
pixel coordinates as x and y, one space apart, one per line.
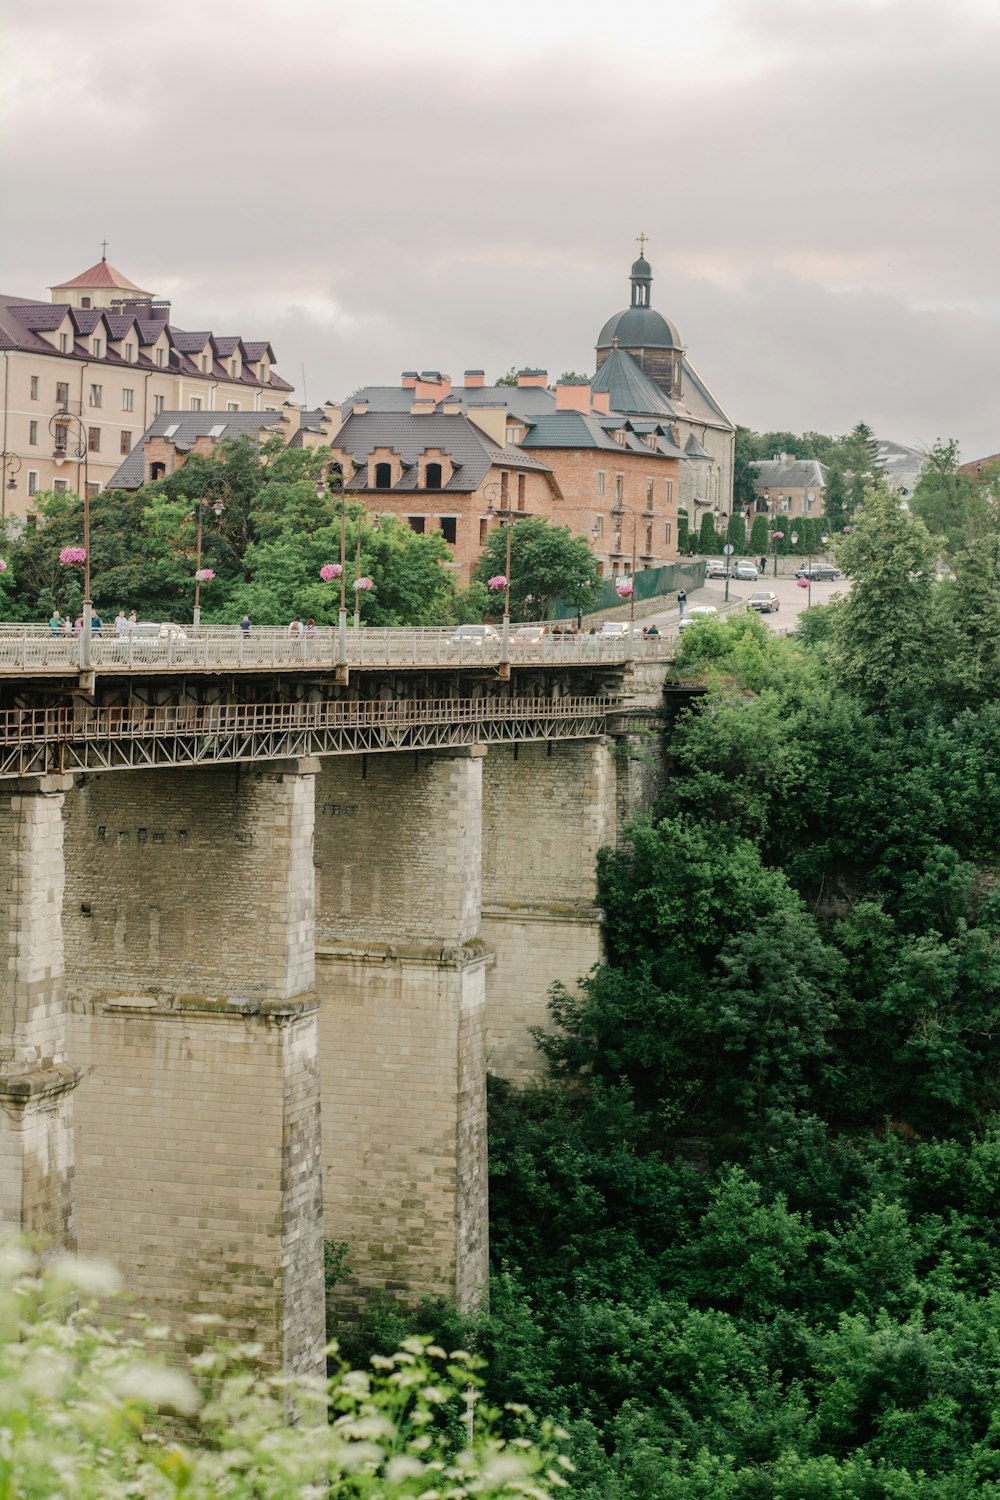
363 583
498 581
330 570
205 575
624 588
777 536
74 557
803 583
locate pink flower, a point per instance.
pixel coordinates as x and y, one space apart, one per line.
205 575
363 583
330 570
777 536
624 588
3 566
498 581
74 556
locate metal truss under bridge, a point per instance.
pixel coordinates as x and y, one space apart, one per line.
86 738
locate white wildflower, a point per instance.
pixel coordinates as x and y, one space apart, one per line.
403 1467
94 1278
156 1385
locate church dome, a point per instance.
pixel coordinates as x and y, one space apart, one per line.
638 326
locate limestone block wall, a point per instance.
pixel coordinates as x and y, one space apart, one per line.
404 1120
190 940
401 980
398 847
37 1082
198 1166
547 810
192 881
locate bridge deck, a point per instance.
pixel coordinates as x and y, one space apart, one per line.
36 651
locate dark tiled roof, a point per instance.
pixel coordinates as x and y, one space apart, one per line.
629 389
693 449
86 319
190 343
469 448
190 425
800 474
257 350
521 401
41 316
568 429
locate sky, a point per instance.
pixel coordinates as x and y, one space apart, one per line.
386 185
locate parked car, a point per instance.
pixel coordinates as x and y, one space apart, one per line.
529 635
765 603
818 572
717 570
149 629
475 635
699 612
746 571
616 627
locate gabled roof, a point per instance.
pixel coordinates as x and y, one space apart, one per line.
257 350
190 343
629 389
97 277
693 449
188 426
568 429
798 474
521 401
40 317
470 450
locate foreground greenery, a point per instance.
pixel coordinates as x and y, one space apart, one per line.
745 1235
88 1414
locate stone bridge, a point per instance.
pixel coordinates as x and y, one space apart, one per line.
266 923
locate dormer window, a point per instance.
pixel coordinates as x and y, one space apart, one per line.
64 343
161 358
432 477
265 373
383 476
204 364
234 369
513 435
129 353
98 348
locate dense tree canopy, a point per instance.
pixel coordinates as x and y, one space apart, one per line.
744 1234
277 527
546 562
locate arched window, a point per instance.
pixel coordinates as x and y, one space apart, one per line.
432 477
383 476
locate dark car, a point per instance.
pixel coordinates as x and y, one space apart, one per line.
818 572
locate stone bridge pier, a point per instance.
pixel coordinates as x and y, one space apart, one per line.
402 975
37 1084
190 931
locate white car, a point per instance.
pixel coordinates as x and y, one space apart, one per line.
616 627
475 635
699 612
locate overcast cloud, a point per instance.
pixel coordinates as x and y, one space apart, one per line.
387 184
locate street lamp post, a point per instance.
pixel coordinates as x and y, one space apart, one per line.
376 522
61 423
503 513
809 596
331 481
218 507
620 505
721 517
11 466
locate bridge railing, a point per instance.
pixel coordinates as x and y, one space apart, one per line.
37 648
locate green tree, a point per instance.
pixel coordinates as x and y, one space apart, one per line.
946 500
708 537
835 501
546 562
759 536
683 532
509 379
882 651
744 476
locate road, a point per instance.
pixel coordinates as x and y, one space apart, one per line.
792 599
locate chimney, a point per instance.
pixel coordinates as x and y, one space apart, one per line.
409 379
423 406
433 385
359 409
475 379
492 420
602 402
331 422
291 420
533 377
452 406
573 395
